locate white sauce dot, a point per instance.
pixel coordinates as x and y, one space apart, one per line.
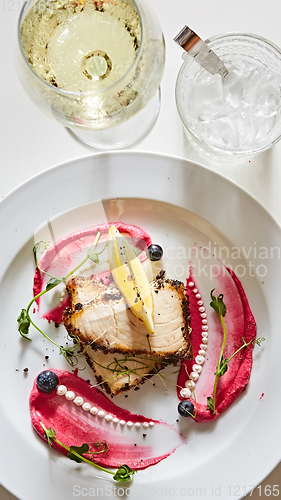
203 315
94 410
78 401
151 424
146 425
101 413
122 422
200 302
185 393
194 376
86 407
200 360
202 352
61 390
203 346
197 368
191 284
115 420
137 425
195 290
189 384
204 327
204 322
202 309
109 418
129 423
198 296
205 340
204 335
70 395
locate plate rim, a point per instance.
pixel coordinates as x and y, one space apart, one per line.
128 152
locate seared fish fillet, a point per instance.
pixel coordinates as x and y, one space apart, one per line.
82 290
99 316
116 373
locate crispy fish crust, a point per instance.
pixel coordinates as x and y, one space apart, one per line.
99 316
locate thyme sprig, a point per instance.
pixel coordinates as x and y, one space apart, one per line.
24 319
124 473
220 308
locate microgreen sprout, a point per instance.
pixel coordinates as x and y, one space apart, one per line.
219 307
76 453
24 319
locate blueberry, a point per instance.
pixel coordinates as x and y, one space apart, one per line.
185 408
154 252
47 381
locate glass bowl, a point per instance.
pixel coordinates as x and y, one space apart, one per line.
247 131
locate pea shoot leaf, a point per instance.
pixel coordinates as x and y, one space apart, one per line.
123 474
24 324
223 367
211 404
93 256
52 283
49 434
39 247
218 304
80 450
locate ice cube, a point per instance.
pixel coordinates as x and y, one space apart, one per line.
225 131
206 96
265 125
247 127
268 98
243 66
233 88
221 131
251 83
262 91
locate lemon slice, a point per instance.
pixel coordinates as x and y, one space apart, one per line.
130 277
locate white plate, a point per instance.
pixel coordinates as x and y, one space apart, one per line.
178 203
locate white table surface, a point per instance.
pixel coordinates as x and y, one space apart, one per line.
31 143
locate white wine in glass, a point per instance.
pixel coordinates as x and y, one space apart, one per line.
95 66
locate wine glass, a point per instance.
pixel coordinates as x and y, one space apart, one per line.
93 65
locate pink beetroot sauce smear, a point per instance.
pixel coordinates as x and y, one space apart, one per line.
58 259
137 447
240 324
